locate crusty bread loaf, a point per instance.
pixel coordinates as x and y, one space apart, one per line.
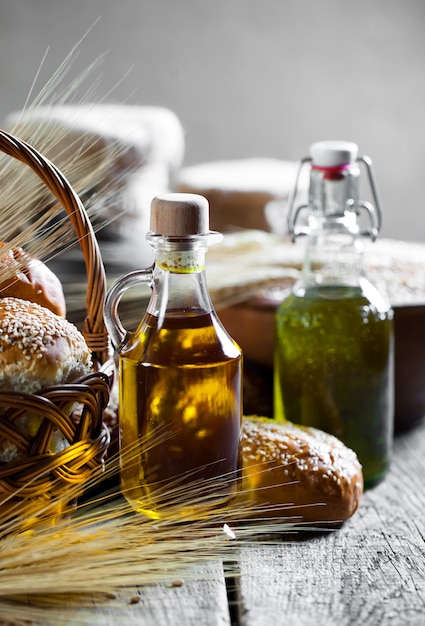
127 154
298 472
244 193
30 279
38 349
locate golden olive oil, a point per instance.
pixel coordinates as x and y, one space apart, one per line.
333 368
180 413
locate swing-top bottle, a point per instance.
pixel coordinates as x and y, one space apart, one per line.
334 332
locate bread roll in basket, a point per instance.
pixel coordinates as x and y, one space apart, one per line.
41 482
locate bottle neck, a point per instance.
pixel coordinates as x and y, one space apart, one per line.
334 191
334 249
179 281
334 255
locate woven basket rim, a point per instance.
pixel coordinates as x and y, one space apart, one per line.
94 329
53 473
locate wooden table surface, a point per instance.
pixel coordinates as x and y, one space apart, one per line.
370 572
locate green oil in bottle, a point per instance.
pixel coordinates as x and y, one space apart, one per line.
334 333
334 368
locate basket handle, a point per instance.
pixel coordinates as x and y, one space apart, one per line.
94 329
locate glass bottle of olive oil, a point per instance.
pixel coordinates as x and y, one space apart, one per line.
334 332
180 374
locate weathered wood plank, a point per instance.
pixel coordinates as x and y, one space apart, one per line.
198 601
372 571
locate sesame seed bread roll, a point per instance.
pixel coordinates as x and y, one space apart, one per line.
38 348
303 473
30 279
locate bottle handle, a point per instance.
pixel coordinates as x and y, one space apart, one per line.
113 322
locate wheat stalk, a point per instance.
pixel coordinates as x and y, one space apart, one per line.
104 545
31 217
106 548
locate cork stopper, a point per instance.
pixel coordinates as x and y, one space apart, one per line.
179 215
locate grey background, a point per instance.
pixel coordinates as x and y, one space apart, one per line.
246 77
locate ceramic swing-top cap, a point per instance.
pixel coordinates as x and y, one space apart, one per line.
179 215
333 153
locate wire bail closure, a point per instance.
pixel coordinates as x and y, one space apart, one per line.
374 211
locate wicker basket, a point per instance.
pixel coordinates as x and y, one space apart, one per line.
43 484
